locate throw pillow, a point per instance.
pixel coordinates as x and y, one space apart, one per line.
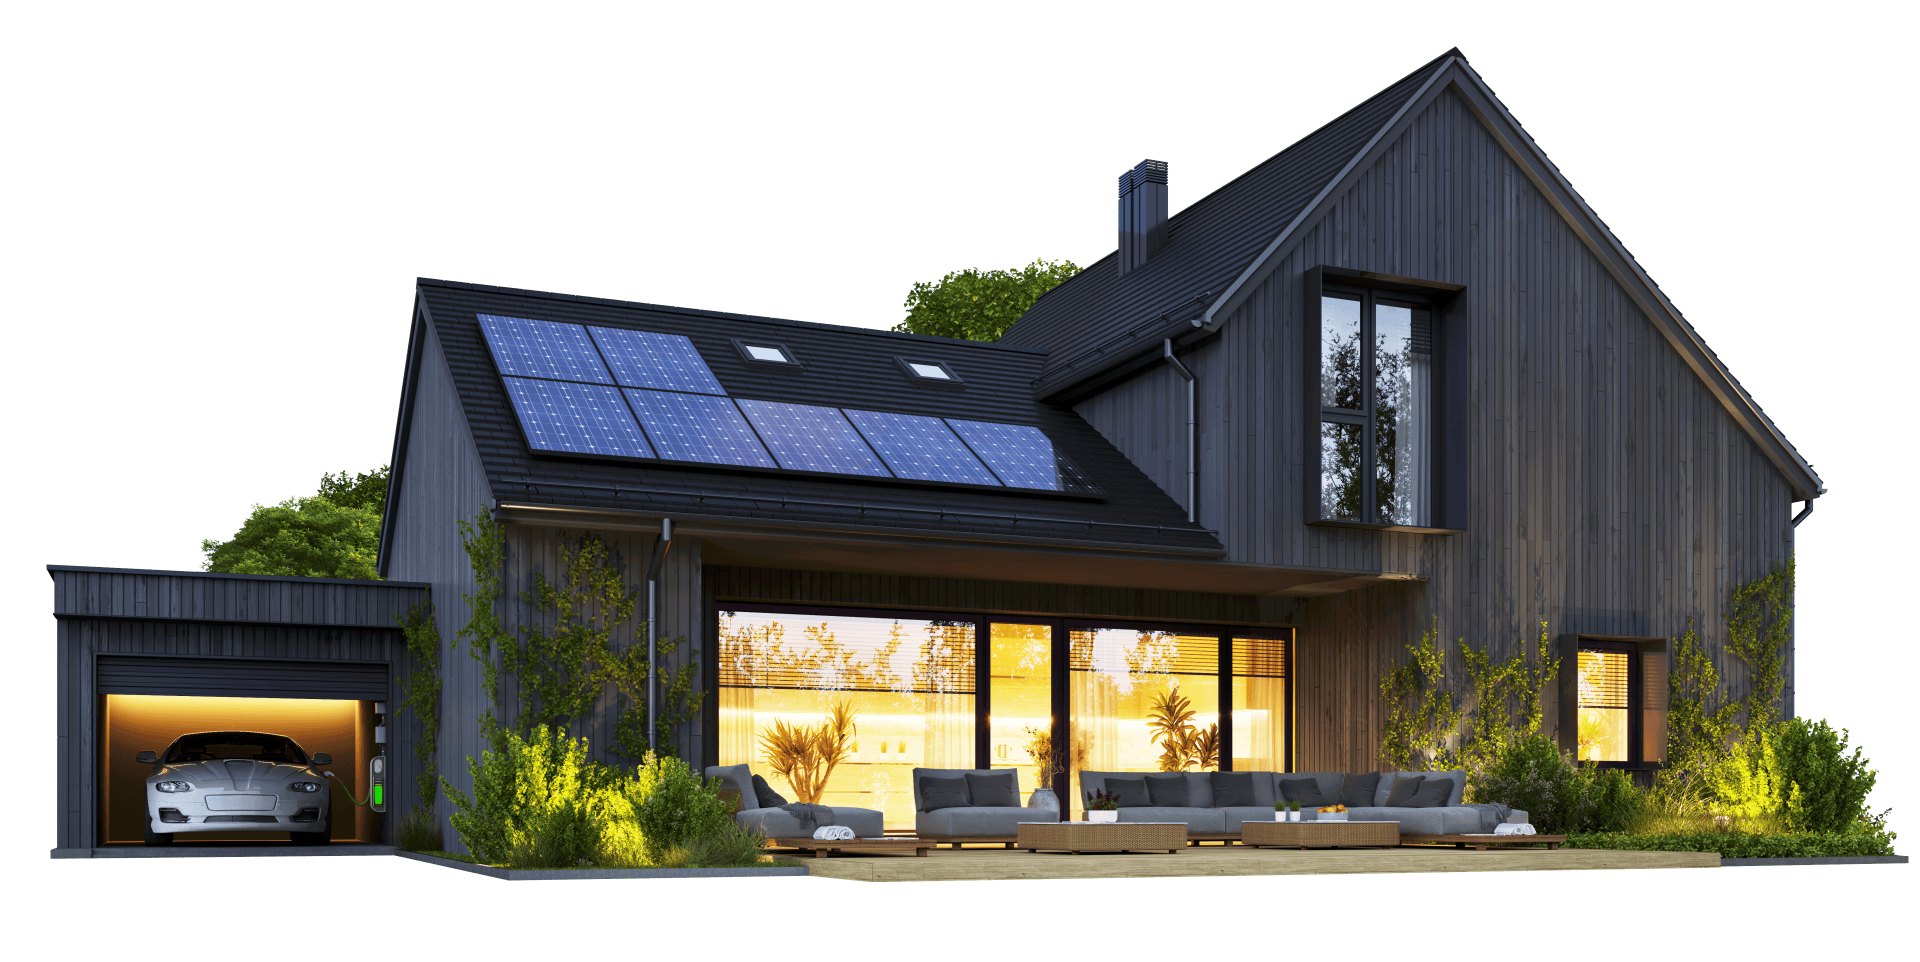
1359 789
1433 793
1306 791
1132 792
1232 789
1403 791
939 793
764 792
1168 791
995 789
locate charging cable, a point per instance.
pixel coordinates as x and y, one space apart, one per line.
343 787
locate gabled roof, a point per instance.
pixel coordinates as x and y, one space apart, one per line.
1098 325
844 367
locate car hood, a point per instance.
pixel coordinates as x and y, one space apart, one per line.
237 773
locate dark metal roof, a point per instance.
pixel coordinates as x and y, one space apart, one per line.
1098 316
839 366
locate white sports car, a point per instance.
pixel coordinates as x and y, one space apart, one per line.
237 782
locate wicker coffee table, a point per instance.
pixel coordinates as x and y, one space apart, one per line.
1320 834
1078 837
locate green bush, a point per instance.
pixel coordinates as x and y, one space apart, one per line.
419 832
1826 790
1744 844
673 807
565 836
1559 797
521 781
732 847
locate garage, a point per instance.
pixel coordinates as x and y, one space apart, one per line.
241 687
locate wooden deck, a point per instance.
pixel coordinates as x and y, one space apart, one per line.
947 865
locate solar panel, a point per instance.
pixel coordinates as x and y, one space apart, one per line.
804 437
528 348
698 427
921 448
1022 456
666 362
579 418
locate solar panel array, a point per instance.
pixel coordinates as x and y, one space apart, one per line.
561 379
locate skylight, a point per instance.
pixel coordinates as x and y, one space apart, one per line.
766 352
933 371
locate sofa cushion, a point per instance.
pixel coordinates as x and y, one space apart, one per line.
778 823
1458 777
1196 819
1131 792
977 820
765 795
939 793
1235 817
740 779
1404 787
992 789
1433 793
1232 789
1306 791
1168 791
1359 789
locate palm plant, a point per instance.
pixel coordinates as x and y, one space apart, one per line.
806 755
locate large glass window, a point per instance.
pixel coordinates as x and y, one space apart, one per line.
1260 710
1143 701
1021 691
838 709
1375 431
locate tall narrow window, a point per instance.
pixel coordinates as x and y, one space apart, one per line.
1606 704
1021 723
1375 408
1260 703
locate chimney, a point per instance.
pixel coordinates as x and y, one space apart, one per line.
1143 213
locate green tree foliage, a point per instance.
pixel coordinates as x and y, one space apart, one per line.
980 305
303 537
332 534
366 491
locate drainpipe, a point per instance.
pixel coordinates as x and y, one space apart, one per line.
1193 437
1802 516
652 636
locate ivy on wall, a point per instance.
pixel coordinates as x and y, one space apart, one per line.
420 694
1710 732
1503 708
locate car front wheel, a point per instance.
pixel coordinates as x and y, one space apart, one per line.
157 838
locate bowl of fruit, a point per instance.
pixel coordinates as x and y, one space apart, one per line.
1331 813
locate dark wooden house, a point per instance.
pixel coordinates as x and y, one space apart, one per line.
1397 378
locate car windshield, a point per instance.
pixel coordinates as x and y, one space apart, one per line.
211 746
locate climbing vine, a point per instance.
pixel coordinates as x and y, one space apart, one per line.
1506 703
486 550
1759 624
420 694
1503 708
1421 715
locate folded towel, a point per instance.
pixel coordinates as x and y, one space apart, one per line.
1509 828
833 833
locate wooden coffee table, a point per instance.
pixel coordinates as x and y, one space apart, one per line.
1481 843
870 846
1320 834
1079 837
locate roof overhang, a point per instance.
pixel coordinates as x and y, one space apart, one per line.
879 550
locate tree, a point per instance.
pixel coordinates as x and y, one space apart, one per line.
980 305
332 534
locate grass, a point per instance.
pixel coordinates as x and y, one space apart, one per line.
766 861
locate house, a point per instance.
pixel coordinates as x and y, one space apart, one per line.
1398 378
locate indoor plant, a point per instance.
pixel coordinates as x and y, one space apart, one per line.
1291 808
1103 806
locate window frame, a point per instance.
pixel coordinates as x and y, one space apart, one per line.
1445 489
1637 649
742 344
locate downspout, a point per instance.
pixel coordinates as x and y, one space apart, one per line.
652 638
1802 516
1193 436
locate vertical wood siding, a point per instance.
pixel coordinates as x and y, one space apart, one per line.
1609 492
441 484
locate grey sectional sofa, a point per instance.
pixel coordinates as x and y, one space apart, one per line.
972 821
778 822
1203 817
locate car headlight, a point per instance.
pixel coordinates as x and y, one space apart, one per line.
173 786
303 786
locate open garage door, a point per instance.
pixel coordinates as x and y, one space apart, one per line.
239 678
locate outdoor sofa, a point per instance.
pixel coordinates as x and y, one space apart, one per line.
950 803
776 822
1434 815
